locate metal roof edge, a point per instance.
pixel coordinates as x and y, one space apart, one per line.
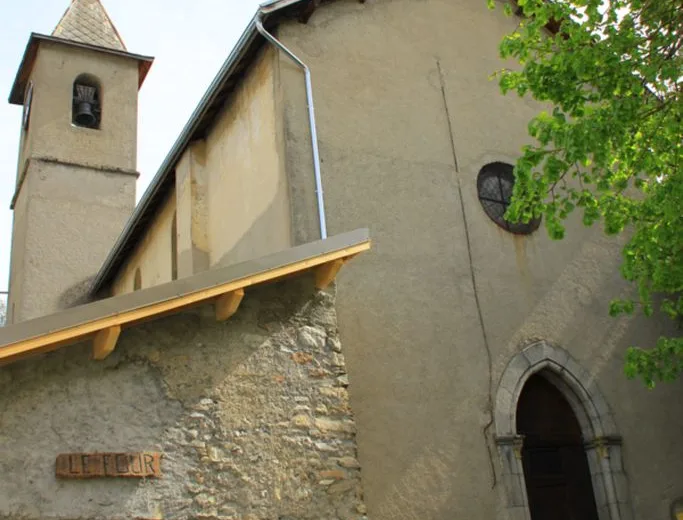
275 5
92 46
16 96
130 308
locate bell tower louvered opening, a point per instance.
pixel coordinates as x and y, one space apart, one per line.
87 102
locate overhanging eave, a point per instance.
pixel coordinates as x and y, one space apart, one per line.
103 320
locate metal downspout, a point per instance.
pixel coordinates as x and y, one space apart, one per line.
311 122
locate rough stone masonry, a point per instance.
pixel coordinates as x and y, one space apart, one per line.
252 417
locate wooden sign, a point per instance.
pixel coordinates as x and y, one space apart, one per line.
95 465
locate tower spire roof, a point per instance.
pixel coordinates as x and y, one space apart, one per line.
87 21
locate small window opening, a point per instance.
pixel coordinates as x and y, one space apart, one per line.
494 185
137 281
87 102
174 248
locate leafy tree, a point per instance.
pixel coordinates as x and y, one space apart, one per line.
612 147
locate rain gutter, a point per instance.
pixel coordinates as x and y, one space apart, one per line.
311 121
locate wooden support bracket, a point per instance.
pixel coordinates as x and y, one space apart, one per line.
326 273
228 303
105 341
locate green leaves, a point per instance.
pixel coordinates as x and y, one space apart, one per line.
664 363
612 146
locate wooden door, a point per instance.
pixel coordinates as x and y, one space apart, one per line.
558 480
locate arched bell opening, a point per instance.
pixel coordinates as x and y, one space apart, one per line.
86 109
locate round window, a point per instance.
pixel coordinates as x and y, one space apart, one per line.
494 186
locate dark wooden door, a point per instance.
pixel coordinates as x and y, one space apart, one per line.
558 480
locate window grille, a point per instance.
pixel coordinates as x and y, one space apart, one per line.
494 185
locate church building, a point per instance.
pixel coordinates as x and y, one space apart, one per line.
317 310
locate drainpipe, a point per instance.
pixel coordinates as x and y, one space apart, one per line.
311 122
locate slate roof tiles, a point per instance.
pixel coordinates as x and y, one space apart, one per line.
87 21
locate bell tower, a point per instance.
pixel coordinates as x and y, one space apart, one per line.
76 174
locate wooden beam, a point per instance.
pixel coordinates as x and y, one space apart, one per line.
105 341
327 272
227 304
20 349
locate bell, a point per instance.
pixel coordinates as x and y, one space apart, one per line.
85 115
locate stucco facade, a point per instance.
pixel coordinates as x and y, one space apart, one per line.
51 134
65 221
152 261
248 198
231 192
407 116
443 323
75 185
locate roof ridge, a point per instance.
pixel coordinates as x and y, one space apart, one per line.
87 21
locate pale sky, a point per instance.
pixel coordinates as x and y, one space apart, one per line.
189 39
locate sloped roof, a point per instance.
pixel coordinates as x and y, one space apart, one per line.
86 25
87 21
224 287
16 96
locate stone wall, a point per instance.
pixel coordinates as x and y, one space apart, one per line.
251 415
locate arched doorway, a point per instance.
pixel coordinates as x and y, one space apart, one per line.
556 472
582 400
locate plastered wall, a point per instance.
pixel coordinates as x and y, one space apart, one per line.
153 256
65 222
231 195
407 116
191 179
248 197
75 186
51 133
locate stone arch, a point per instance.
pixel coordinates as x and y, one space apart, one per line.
601 440
575 383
